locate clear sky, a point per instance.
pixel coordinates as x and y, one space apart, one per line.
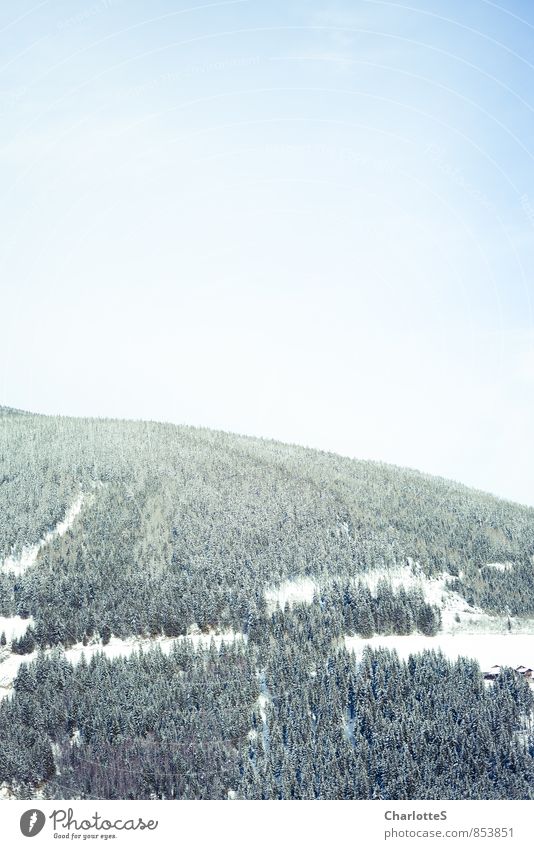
312 221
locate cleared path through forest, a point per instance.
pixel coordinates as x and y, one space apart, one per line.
28 556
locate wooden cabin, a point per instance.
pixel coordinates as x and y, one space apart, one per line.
492 674
524 671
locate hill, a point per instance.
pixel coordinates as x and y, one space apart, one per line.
11 411
241 569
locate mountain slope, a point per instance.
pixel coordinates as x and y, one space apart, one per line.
115 529
170 511
12 411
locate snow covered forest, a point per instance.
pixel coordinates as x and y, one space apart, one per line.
178 608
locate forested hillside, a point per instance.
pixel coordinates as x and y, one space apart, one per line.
141 529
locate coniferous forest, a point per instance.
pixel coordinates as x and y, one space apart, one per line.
181 528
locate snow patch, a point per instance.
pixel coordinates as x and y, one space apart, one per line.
294 591
56 754
29 553
501 567
409 576
264 700
117 647
457 615
205 640
6 791
15 626
15 791
9 667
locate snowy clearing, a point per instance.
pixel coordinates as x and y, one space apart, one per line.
10 662
457 616
488 649
9 666
199 638
15 626
29 553
263 703
434 590
8 791
501 567
295 591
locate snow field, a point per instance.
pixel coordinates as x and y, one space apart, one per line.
295 591
14 626
501 567
488 649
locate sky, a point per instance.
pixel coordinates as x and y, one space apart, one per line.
308 221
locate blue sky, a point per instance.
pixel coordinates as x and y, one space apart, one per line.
301 220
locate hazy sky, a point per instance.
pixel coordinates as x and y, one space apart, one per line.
312 221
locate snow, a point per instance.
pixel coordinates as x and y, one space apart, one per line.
501 567
15 626
10 662
62 527
204 639
290 592
29 553
434 591
116 648
15 791
6 791
457 616
56 754
264 700
488 649
9 667
491 640
408 576
472 619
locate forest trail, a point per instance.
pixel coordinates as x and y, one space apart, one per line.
29 553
